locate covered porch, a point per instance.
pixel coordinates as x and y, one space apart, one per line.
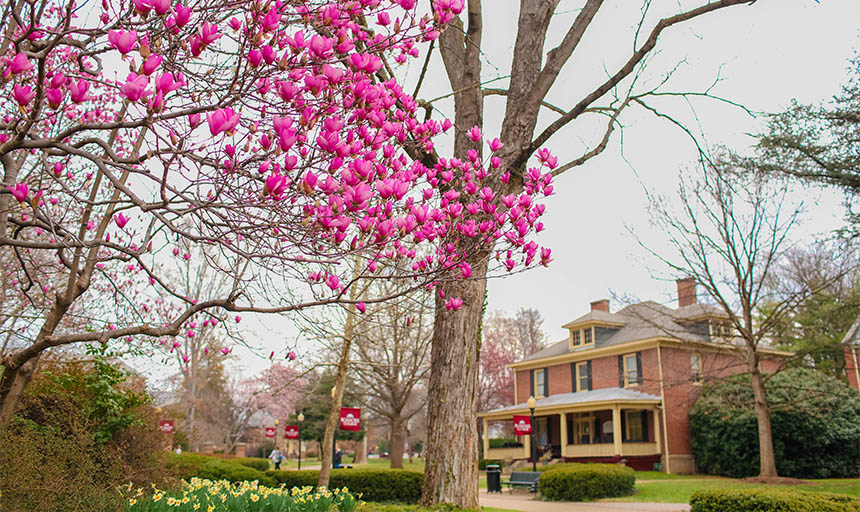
605 425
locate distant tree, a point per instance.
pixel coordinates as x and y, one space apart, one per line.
315 404
814 329
730 234
505 340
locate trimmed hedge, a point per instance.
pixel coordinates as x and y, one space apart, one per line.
252 462
189 465
482 464
771 500
580 482
374 484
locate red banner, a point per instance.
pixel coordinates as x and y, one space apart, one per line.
350 418
166 426
292 432
270 431
522 425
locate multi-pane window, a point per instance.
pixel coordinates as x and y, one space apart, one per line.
631 372
721 329
540 383
582 376
696 367
635 428
581 337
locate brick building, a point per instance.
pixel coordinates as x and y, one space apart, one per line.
635 372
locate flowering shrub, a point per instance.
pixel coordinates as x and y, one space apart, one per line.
218 496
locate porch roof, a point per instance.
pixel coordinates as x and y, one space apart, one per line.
581 398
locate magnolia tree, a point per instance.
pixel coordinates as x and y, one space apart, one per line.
274 136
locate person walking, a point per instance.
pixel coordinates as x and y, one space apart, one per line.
277 457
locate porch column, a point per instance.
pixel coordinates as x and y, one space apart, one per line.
657 431
563 425
486 439
616 429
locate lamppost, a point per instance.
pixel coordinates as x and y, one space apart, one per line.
277 441
532 403
301 418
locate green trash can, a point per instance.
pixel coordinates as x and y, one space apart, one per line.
494 478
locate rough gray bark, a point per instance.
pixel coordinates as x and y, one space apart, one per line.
767 459
451 469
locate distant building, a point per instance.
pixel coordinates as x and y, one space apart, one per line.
620 385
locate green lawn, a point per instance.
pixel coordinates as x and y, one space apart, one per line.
679 490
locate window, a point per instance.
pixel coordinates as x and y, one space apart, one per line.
696 367
635 426
582 376
721 329
582 337
631 370
540 383
582 430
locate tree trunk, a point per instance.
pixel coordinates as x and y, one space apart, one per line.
13 382
396 442
361 452
767 460
451 471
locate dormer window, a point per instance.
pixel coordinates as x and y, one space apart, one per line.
721 329
582 337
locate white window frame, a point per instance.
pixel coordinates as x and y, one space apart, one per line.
696 367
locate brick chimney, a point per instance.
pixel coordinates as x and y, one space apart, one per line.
686 291
600 305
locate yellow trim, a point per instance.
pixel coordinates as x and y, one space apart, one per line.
856 368
627 383
663 410
634 346
538 386
556 409
578 377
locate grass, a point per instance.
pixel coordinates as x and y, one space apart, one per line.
679 490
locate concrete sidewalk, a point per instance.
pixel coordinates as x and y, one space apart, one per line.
528 503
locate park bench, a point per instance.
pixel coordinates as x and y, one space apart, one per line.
523 479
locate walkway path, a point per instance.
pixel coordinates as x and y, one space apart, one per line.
528 503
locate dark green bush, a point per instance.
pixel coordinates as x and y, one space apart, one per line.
579 482
82 429
815 420
771 500
373 484
504 443
252 462
189 465
482 464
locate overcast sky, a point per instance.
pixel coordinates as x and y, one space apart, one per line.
766 55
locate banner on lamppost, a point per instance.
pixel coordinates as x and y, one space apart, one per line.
270 431
522 425
166 426
292 432
350 418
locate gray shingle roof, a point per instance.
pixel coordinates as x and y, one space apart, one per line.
597 316
584 397
852 337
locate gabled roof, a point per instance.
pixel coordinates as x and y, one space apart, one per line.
584 397
852 337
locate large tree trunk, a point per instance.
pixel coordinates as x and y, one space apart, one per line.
451 472
396 442
13 382
767 460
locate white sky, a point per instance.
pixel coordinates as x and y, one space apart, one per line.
767 54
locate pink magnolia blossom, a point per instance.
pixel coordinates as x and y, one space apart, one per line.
23 94
135 87
123 41
222 120
291 355
19 191
454 303
160 6
361 306
142 7
55 97
183 15
209 33
121 220
78 91
19 64
151 64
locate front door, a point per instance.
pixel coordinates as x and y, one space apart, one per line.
582 429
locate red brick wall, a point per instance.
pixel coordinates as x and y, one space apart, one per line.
523 391
559 379
604 372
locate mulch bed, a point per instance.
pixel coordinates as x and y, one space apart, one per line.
774 480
